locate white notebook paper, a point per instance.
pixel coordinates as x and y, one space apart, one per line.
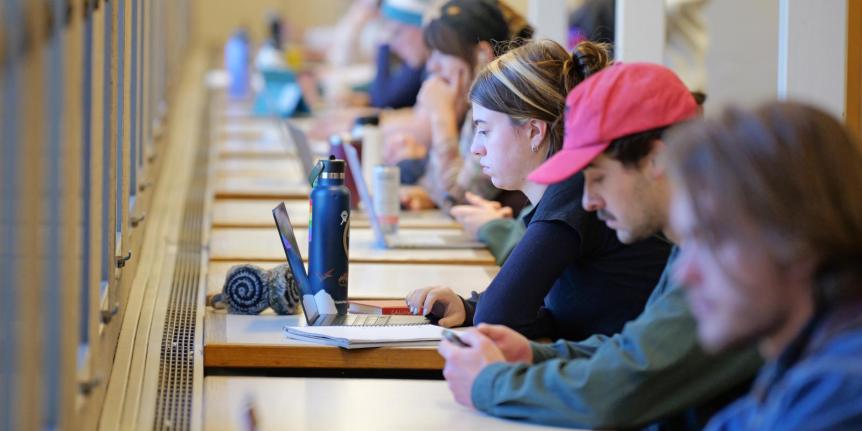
355 337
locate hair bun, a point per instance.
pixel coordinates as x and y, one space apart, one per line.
589 58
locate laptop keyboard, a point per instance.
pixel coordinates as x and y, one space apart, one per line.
370 320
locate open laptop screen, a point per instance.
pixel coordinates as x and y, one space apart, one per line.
301 144
294 259
368 204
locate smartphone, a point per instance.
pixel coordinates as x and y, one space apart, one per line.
453 338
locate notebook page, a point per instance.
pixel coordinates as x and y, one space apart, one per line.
366 334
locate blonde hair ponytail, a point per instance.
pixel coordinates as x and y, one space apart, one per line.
533 80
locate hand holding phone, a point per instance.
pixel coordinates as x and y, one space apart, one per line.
453 338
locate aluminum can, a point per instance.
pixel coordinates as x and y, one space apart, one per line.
385 198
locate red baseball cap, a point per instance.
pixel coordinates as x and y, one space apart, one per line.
621 100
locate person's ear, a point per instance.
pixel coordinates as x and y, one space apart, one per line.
656 163
537 130
484 53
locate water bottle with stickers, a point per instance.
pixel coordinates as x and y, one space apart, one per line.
329 236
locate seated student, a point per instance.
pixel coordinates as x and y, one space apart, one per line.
653 371
569 276
464 36
493 224
398 88
778 262
352 39
519 29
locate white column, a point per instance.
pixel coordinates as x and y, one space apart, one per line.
640 30
812 52
550 18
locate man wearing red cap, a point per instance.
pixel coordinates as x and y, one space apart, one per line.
654 372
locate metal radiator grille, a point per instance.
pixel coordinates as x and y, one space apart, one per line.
176 363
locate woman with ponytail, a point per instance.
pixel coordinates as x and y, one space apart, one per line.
569 277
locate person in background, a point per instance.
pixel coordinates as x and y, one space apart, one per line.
768 207
520 29
569 277
593 20
464 36
492 223
653 373
393 85
352 37
397 86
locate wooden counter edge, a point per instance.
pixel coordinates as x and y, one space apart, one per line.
286 356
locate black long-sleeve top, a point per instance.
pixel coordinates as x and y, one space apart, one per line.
569 276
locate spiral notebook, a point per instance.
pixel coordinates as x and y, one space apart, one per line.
358 337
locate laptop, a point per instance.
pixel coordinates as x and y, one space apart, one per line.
319 307
300 142
281 95
430 240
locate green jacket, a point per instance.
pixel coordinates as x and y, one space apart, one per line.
653 370
502 235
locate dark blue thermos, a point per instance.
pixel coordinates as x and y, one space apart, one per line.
329 236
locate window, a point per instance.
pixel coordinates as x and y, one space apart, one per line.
86 189
52 304
107 253
9 152
120 141
133 86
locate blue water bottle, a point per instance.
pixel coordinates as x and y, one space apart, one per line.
236 56
329 236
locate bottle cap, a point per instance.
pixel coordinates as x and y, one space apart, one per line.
331 168
333 165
